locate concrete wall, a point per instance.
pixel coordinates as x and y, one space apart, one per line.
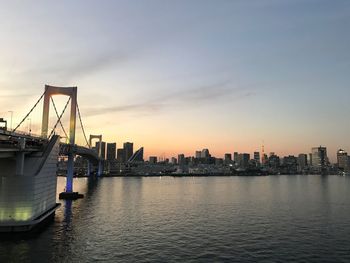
24 198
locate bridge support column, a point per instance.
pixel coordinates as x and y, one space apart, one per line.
70 173
88 172
99 169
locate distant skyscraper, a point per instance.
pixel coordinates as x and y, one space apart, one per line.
243 160
342 159
153 159
198 154
181 159
137 156
120 155
257 157
319 157
205 153
302 161
173 160
235 157
111 151
228 158
103 149
128 150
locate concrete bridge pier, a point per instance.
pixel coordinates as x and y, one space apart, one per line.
88 172
99 169
70 173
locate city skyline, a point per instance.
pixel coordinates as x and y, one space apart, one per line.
176 77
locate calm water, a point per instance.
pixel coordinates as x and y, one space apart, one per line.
206 219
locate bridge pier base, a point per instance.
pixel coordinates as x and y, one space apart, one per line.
70 173
69 194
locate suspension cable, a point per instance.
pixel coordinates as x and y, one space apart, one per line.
82 127
29 111
59 118
54 106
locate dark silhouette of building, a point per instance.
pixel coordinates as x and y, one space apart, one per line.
120 155
302 161
153 159
111 151
128 150
137 156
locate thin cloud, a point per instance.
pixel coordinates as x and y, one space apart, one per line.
214 93
72 66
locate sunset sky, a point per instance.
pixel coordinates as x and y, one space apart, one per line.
182 75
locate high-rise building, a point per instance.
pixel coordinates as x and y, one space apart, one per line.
153 159
342 159
257 157
181 159
120 155
103 149
310 159
128 150
173 160
235 157
290 164
302 161
228 158
205 153
137 156
198 154
274 161
319 157
243 160
111 151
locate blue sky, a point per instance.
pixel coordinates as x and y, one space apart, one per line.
176 76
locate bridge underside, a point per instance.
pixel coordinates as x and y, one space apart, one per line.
86 153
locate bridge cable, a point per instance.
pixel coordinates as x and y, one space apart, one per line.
82 127
54 106
59 119
29 112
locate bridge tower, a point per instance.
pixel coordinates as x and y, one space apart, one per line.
99 169
72 93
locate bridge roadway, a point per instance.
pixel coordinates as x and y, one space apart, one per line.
11 142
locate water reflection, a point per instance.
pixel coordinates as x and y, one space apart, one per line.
294 218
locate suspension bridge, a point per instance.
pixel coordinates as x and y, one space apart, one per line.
23 146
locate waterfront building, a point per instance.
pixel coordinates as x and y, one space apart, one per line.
205 153
310 159
342 159
235 157
243 160
128 150
290 165
302 161
137 156
219 161
120 155
153 159
173 160
274 162
181 159
111 151
228 158
319 157
257 157
264 159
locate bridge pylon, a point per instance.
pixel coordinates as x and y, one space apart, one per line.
72 93
99 168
